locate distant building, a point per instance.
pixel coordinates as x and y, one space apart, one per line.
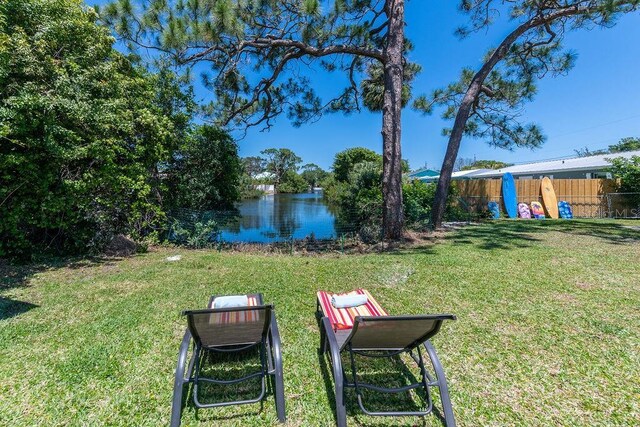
423 173
573 168
264 175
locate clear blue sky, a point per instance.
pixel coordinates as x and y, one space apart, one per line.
595 105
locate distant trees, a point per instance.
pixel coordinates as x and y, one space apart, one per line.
628 171
485 164
254 165
279 162
313 174
625 144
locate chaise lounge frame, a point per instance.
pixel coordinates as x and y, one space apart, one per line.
188 372
335 343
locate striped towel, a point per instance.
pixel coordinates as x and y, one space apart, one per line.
237 316
342 318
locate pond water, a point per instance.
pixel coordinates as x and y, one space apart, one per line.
281 217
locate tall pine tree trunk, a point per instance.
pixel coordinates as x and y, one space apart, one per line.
464 111
442 190
393 215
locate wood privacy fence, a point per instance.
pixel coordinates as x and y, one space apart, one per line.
588 197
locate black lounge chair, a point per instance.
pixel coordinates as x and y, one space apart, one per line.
229 330
386 336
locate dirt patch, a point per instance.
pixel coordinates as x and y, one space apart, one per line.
585 286
121 246
567 298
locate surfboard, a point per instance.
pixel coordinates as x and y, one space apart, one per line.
549 197
564 208
523 211
537 211
509 195
494 209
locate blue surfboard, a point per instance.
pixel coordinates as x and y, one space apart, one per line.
509 195
565 210
494 209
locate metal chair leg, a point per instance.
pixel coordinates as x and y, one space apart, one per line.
180 380
338 375
443 388
276 349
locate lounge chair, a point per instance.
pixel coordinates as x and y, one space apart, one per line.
229 330
367 330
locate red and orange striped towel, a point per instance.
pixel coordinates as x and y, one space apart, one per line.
342 318
237 316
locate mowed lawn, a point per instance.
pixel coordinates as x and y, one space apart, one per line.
548 329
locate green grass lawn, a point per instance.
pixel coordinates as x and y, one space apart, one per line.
548 329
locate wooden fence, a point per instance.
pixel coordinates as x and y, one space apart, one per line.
588 197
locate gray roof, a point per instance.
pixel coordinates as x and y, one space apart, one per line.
591 163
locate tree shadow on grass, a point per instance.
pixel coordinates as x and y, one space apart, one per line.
14 276
518 234
230 366
10 308
385 372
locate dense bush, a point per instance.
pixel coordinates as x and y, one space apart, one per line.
205 172
80 137
628 171
92 145
357 202
346 160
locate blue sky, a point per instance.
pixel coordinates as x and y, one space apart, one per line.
595 105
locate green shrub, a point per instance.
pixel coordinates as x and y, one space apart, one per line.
198 235
292 183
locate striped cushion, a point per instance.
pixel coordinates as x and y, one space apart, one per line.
237 316
342 318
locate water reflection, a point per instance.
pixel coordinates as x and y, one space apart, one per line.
281 217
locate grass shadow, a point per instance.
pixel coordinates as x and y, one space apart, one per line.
384 372
11 308
226 367
518 234
14 276
19 275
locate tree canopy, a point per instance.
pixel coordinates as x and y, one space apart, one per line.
280 162
625 144
79 133
91 142
485 164
260 53
204 172
345 161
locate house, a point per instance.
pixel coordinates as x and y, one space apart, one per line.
423 173
572 168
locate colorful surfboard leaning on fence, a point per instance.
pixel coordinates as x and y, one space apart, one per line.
549 197
494 209
537 210
565 210
523 211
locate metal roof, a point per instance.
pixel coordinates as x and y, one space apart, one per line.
591 163
421 173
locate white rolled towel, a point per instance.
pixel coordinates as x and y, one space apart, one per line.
231 301
344 301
